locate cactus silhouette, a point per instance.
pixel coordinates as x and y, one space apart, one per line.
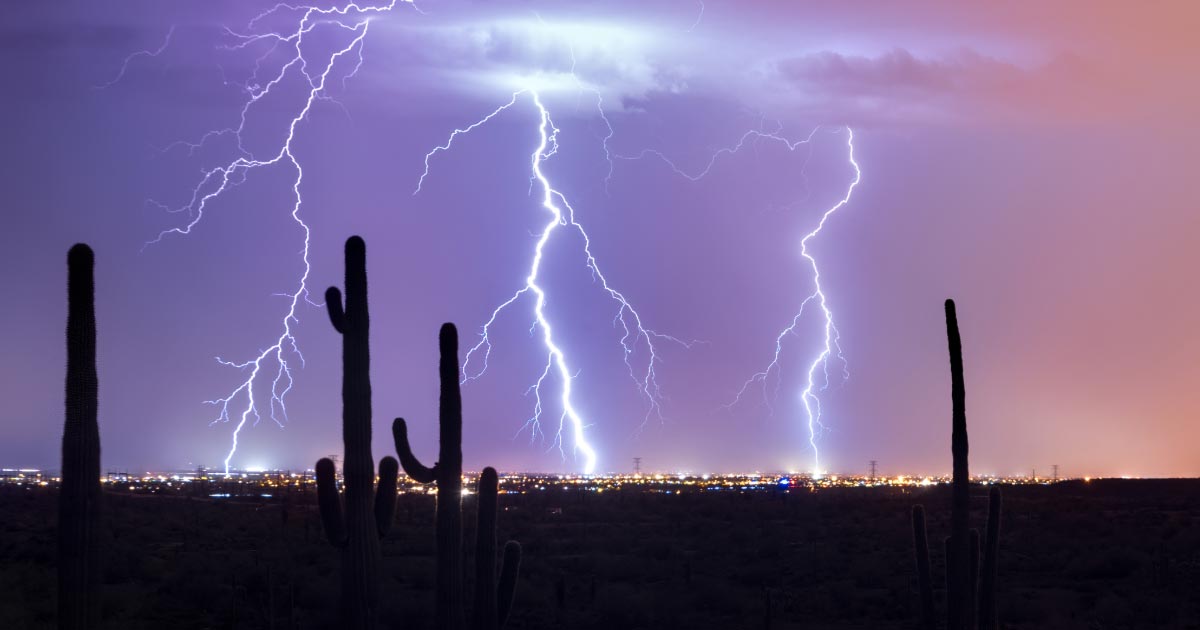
970 591
79 494
958 545
357 529
492 603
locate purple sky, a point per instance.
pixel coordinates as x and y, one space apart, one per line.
1035 163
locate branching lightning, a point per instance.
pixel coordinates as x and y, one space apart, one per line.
634 333
134 55
830 335
275 362
267 377
269 373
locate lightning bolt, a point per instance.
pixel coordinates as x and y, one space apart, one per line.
830 335
699 16
635 334
269 373
134 55
271 368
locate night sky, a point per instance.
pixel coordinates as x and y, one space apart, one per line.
1036 163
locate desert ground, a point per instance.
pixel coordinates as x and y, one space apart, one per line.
1087 555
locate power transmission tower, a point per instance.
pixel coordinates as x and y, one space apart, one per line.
873 466
637 465
1055 469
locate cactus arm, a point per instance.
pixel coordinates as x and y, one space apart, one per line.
385 495
333 304
412 466
508 580
330 503
924 576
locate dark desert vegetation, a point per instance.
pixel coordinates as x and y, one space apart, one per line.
1075 556
1078 554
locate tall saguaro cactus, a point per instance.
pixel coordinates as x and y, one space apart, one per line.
357 529
970 591
958 546
447 472
79 494
491 607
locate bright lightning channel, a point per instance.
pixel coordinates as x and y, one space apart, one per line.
635 333
354 20
830 335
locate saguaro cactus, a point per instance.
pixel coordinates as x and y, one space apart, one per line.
358 529
491 607
970 591
958 546
492 602
79 494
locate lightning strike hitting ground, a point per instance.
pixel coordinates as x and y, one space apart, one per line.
634 333
268 374
243 401
830 335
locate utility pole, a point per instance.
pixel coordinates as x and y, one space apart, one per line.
637 465
873 466
1055 469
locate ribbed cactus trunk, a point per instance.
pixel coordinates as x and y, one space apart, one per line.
492 603
79 494
360 576
449 612
358 531
958 581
